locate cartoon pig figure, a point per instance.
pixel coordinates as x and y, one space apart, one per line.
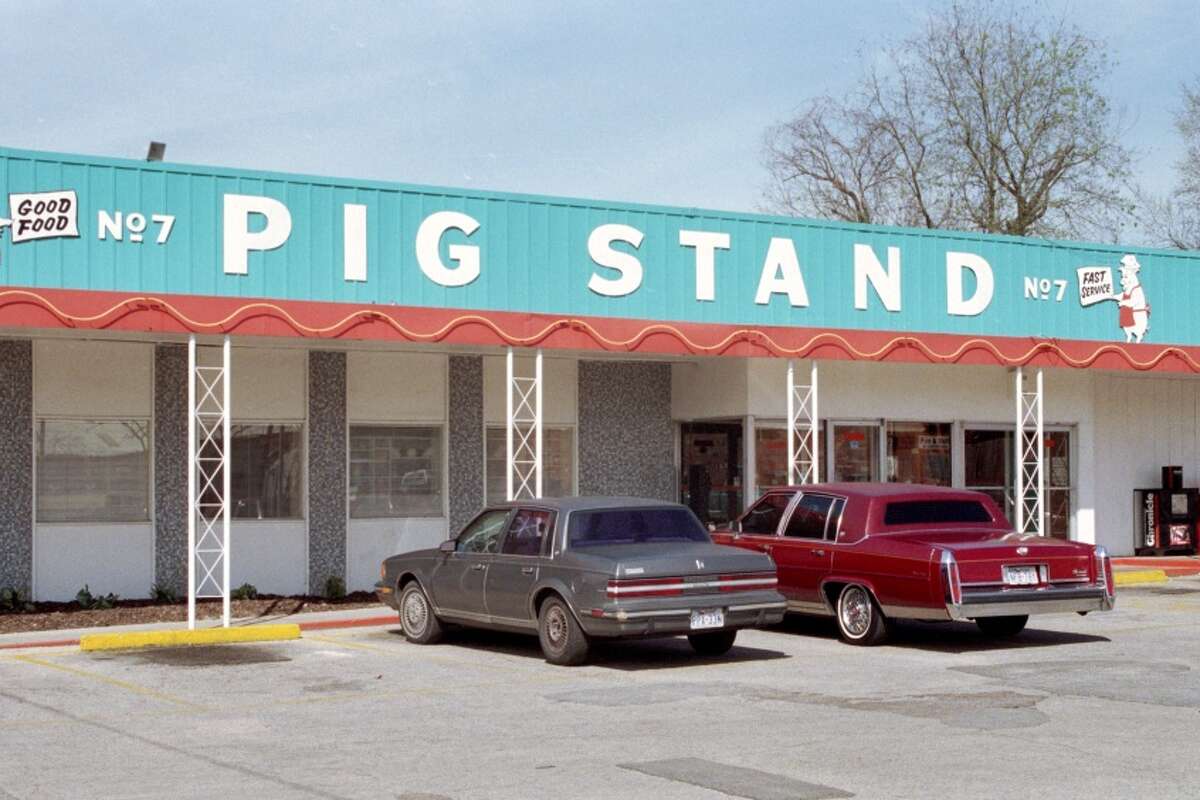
1134 311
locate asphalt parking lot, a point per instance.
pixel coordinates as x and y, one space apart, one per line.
1103 706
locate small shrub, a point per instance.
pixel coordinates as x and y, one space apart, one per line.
86 599
163 594
244 592
335 588
11 600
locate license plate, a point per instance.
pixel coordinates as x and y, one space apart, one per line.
708 619
1021 576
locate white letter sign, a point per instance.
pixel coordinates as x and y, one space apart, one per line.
602 253
354 242
1095 285
886 283
239 241
43 215
706 245
429 239
781 275
984 284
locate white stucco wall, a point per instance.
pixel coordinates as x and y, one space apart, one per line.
394 388
93 380
268 385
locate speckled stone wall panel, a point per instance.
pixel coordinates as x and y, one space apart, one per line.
465 461
16 456
626 436
170 466
326 468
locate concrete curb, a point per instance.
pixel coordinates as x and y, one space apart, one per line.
374 620
1139 577
175 638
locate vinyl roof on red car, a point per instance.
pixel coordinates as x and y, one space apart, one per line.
911 491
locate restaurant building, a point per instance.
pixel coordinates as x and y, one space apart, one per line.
342 364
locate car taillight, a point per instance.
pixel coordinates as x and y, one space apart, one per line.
648 587
951 582
1104 573
747 582
383 571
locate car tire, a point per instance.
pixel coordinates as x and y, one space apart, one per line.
419 623
859 620
716 643
1002 627
563 641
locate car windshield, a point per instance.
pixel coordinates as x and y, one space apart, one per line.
928 512
634 525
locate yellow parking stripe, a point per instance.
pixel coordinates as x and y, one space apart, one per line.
126 685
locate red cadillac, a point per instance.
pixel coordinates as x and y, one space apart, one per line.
867 553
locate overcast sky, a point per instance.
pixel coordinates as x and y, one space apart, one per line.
658 102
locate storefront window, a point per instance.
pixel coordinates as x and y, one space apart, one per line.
855 453
770 458
711 464
93 471
1058 484
987 460
988 464
919 452
268 462
558 463
395 471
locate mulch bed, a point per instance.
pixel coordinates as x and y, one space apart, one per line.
56 616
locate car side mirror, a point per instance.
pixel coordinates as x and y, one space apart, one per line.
448 546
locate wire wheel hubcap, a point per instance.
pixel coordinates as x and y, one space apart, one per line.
855 612
556 627
415 613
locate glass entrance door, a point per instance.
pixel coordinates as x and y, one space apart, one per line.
711 469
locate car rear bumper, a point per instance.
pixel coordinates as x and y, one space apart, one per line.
671 616
1021 602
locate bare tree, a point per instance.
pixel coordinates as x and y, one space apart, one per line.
1174 220
988 120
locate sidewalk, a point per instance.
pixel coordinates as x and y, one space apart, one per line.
311 621
1140 571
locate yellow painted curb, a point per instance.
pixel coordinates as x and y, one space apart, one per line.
1133 577
178 638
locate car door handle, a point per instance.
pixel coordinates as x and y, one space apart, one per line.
526 570
478 567
818 552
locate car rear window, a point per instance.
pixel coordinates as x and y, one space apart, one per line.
924 512
632 525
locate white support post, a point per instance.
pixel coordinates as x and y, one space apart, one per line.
508 425
537 435
523 475
1029 501
191 483
227 472
804 451
209 474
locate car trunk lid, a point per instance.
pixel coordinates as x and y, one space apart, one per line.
984 557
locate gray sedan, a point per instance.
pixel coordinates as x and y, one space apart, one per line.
581 568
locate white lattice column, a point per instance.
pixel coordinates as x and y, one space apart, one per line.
523 435
208 481
803 446
1029 501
